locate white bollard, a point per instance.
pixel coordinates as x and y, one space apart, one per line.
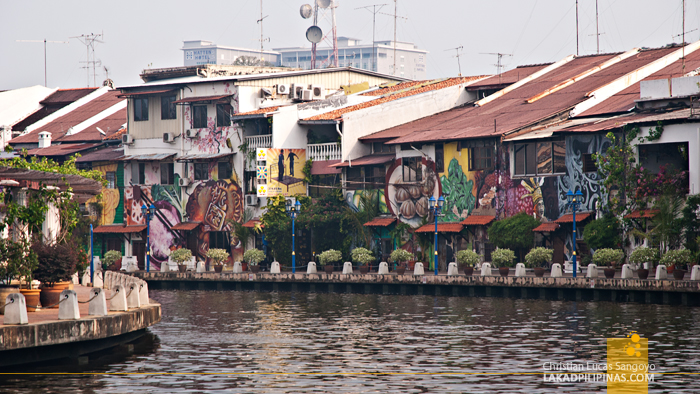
347 268
201 267
118 301
86 278
15 309
129 264
275 267
143 293
556 271
311 268
418 269
98 303
592 271
96 263
627 272
75 279
164 267
237 267
107 276
68 308
661 272
695 273
485 269
132 298
452 269
98 282
383 268
191 264
520 270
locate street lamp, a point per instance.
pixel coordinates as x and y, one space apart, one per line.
435 210
574 200
292 210
148 213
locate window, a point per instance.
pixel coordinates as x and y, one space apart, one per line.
199 117
111 178
140 109
674 156
111 243
322 180
540 158
167 173
375 176
251 187
219 240
138 173
380 147
481 158
223 115
224 170
588 163
439 158
354 178
201 171
167 108
412 169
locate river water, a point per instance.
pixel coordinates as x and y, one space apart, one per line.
232 341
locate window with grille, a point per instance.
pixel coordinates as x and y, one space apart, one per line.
167 108
140 109
199 116
201 171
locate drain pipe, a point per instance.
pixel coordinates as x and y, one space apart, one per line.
340 133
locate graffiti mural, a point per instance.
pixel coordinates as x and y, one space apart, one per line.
111 197
587 182
353 199
285 172
407 193
458 192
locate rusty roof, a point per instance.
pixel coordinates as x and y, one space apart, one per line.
200 99
67 96
441 228
478 220
568 218
110 125
380 222
367 160
252 223
646 213
325 167
546 227
507 78
620 121
259 111
118 229
186 226
61 150
511 112
106 154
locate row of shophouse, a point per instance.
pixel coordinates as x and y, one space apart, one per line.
208 146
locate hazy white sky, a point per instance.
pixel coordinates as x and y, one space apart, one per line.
149 33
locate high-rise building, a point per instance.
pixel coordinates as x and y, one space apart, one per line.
206 52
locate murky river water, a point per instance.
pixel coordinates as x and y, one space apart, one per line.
299 342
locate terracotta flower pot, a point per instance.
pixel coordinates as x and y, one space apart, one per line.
504 271
678 274
328 268
244 266
182 268
50 295
642 273
400 270
468 271
218 268
539 272
33 298
254 268
609 273
364 269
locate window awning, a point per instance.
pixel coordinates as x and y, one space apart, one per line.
186 226
642 213
546 227
147 157
478 220
202 99
203 156
441 228
136 94
325 167
568 218
367 160
380 222
252 223
118 229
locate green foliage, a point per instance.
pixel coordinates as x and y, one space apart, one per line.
217 256
668 223
243 234
681 258
329 257
400 256
111 257
643 255
468 258
603 233
514 232
538 257
362 256
47 165
308 177
180 256
253 256
17 260
608 257
56 262
457 190
691 222
502 257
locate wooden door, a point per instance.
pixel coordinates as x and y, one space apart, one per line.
139 250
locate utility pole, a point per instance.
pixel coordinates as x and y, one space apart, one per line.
262 40
597 33
577 28
89 41
459 66
374 20
396 16
45 41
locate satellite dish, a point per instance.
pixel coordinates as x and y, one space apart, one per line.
306 11
323 3
314 34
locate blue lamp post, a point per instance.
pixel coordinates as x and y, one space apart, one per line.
292 210
574 200
435 209
148 213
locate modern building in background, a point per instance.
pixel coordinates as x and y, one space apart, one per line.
200 52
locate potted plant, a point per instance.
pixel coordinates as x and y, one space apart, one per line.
537 259
503 259
180 257
113 260
400 257
55 265
644 255
608 258
217 257
679 259
363 257
253 257
328 258
467 259
12 256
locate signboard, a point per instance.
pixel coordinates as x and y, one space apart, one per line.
262 154
262 173
285 172
262 190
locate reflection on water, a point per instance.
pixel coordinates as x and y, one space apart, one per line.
244 341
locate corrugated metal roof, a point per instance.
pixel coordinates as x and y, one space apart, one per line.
18 104
620 121
118 229
647 214
147 157
441 228
380 222
261 111
507 78
146 93
188 100
106 154
110 125
546 227
325 167
203 156
569 218
478 220
61 150
367 160
67 96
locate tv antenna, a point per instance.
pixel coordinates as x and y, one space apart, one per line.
374 12
396 16
459 66
89 41
499 63
262 39
314 33
45 41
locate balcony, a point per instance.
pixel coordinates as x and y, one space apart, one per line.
259 141
320 152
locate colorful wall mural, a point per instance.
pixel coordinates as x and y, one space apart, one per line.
406 196
111 198
352 197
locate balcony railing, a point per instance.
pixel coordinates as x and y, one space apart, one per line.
259 141
320 152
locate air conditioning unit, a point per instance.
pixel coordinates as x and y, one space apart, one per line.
251 200
127 139
318 92
184 182
299 92
282 88
191 133
168 137
307 95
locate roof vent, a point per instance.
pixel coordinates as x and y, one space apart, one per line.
44 139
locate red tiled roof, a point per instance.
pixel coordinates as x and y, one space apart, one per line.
325 167
546 227
118 229
186 226
61 150
441 227
251 223
367 160
392 87
380 222
646 213
568 218
117 135
478 220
